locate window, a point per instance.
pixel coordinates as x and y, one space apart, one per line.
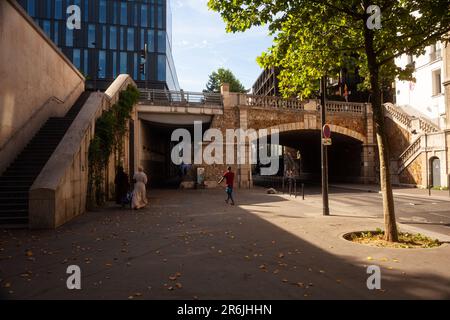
102 11
115 13
142 39
104 37
136 66
86 62
144 15
123 13
48 9
46 26
122 38
69 37
56 32
31 7
123 62
77 58
130 39
152 17
86 10
160 17
161 41
58 9
102 64
135 15
114 64
151 41
437 82
435 52
113 38
91 36
161 68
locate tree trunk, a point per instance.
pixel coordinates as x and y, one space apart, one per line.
391 232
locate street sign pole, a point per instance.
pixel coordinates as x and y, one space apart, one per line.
323 89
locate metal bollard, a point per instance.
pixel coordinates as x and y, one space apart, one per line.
303 191
295 187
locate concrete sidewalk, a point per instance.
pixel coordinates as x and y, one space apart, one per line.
189 244
442 195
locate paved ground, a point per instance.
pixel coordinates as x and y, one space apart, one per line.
413 206
266 247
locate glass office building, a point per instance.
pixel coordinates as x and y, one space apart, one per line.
113 33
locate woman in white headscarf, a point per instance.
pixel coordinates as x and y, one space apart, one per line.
140 191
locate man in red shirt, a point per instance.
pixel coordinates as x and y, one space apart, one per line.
229 176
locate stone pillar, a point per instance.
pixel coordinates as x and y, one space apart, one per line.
369 150
245 170
225 91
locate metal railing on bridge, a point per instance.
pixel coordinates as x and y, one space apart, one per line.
179 98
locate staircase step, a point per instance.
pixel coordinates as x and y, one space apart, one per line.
20 175
13 198
6 207
13 221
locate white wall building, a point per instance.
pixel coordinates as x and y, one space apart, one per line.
427 95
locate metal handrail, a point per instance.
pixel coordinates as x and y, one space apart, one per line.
168 97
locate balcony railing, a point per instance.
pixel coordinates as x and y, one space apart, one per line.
179 98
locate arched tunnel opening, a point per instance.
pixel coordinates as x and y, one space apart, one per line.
156 149
302 156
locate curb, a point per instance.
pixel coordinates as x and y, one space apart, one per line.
437 198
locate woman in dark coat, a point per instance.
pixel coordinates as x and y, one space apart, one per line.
122 183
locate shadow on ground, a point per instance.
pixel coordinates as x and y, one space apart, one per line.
219 251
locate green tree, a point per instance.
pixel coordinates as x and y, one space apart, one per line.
221 76
315 37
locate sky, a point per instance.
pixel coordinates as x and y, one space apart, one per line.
200 46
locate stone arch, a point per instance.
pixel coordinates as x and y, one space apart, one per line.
306 125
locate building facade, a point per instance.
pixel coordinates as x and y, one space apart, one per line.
267 83
112 36
426 95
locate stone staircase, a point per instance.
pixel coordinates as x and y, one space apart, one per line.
17 179
420 125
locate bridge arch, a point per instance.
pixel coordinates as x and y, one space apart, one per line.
303 138
298 126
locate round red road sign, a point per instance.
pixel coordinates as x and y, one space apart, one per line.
326 131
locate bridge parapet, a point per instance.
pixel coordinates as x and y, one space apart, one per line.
180 98
277 103
270 102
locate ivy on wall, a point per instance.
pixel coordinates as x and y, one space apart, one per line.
110 129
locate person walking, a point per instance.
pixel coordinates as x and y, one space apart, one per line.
229 177
140 191
122 183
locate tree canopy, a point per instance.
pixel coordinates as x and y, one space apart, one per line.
315 38
318 37
221 76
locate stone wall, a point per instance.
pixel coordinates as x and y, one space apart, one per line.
36 81
260 118
412 175
398 138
